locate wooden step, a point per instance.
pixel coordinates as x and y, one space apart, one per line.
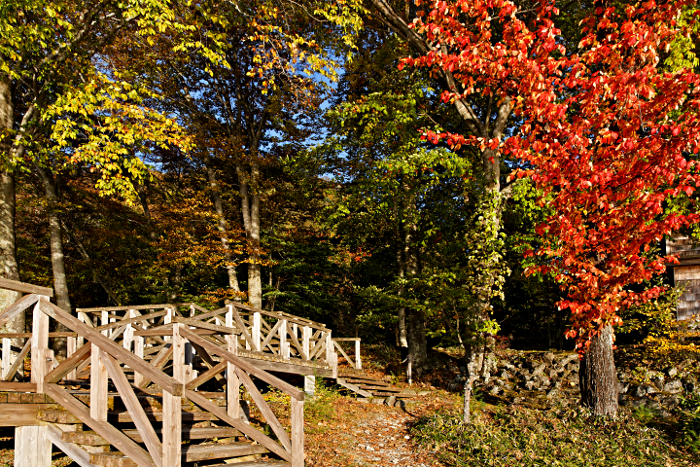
201 452
125 417
58 416
111 459
90 438
380 388
395 394
258 463
190 453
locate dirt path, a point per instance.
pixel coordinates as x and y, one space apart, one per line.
367 435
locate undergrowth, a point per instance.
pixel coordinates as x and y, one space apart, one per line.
525 437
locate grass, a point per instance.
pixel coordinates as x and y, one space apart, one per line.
526 437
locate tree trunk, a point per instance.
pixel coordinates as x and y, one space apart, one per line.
8 248
223 228
250 206
598 376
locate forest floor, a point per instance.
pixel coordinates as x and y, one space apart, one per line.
342 431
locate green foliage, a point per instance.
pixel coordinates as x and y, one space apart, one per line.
690 422
320 407
524 437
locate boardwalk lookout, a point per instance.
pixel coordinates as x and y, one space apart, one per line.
161 385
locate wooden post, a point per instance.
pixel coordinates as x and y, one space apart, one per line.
329 347
189 362
358 361
72 346
6 356
128 336
284 343
32 446
191 311
40 346
167 320
98 386
297 414
139 344
256 330
309 380
233 404
334 363
172 406
105 320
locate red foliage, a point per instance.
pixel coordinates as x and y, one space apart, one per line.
608 135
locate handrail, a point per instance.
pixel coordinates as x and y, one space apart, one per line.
23 287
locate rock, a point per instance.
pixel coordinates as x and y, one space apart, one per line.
643 389
529 385
539 370
390 401
690 386
658 381
670 402
671 372
674 386
549 357
623 388
552 393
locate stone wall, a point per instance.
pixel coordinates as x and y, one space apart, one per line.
552 379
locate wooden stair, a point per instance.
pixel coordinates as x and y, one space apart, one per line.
203 446
371 388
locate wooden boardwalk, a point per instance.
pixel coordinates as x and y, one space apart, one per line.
163 385
157 385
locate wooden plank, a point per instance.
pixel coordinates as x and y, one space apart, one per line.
240 363
206 376
287 367
237 423
69 364
90 438
125 417
281 315
23 287
203 325
26 335
19 360
118 439
109 346
143 425
353 388
133 320
346 339
297 417
210 314
21 414
78 455
121 308
195 453
16 308
265 409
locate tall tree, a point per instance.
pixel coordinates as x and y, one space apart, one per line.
612 142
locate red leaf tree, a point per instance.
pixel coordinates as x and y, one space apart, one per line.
610 154
608 135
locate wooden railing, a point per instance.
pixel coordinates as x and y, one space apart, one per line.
272 337
357 363
152 338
